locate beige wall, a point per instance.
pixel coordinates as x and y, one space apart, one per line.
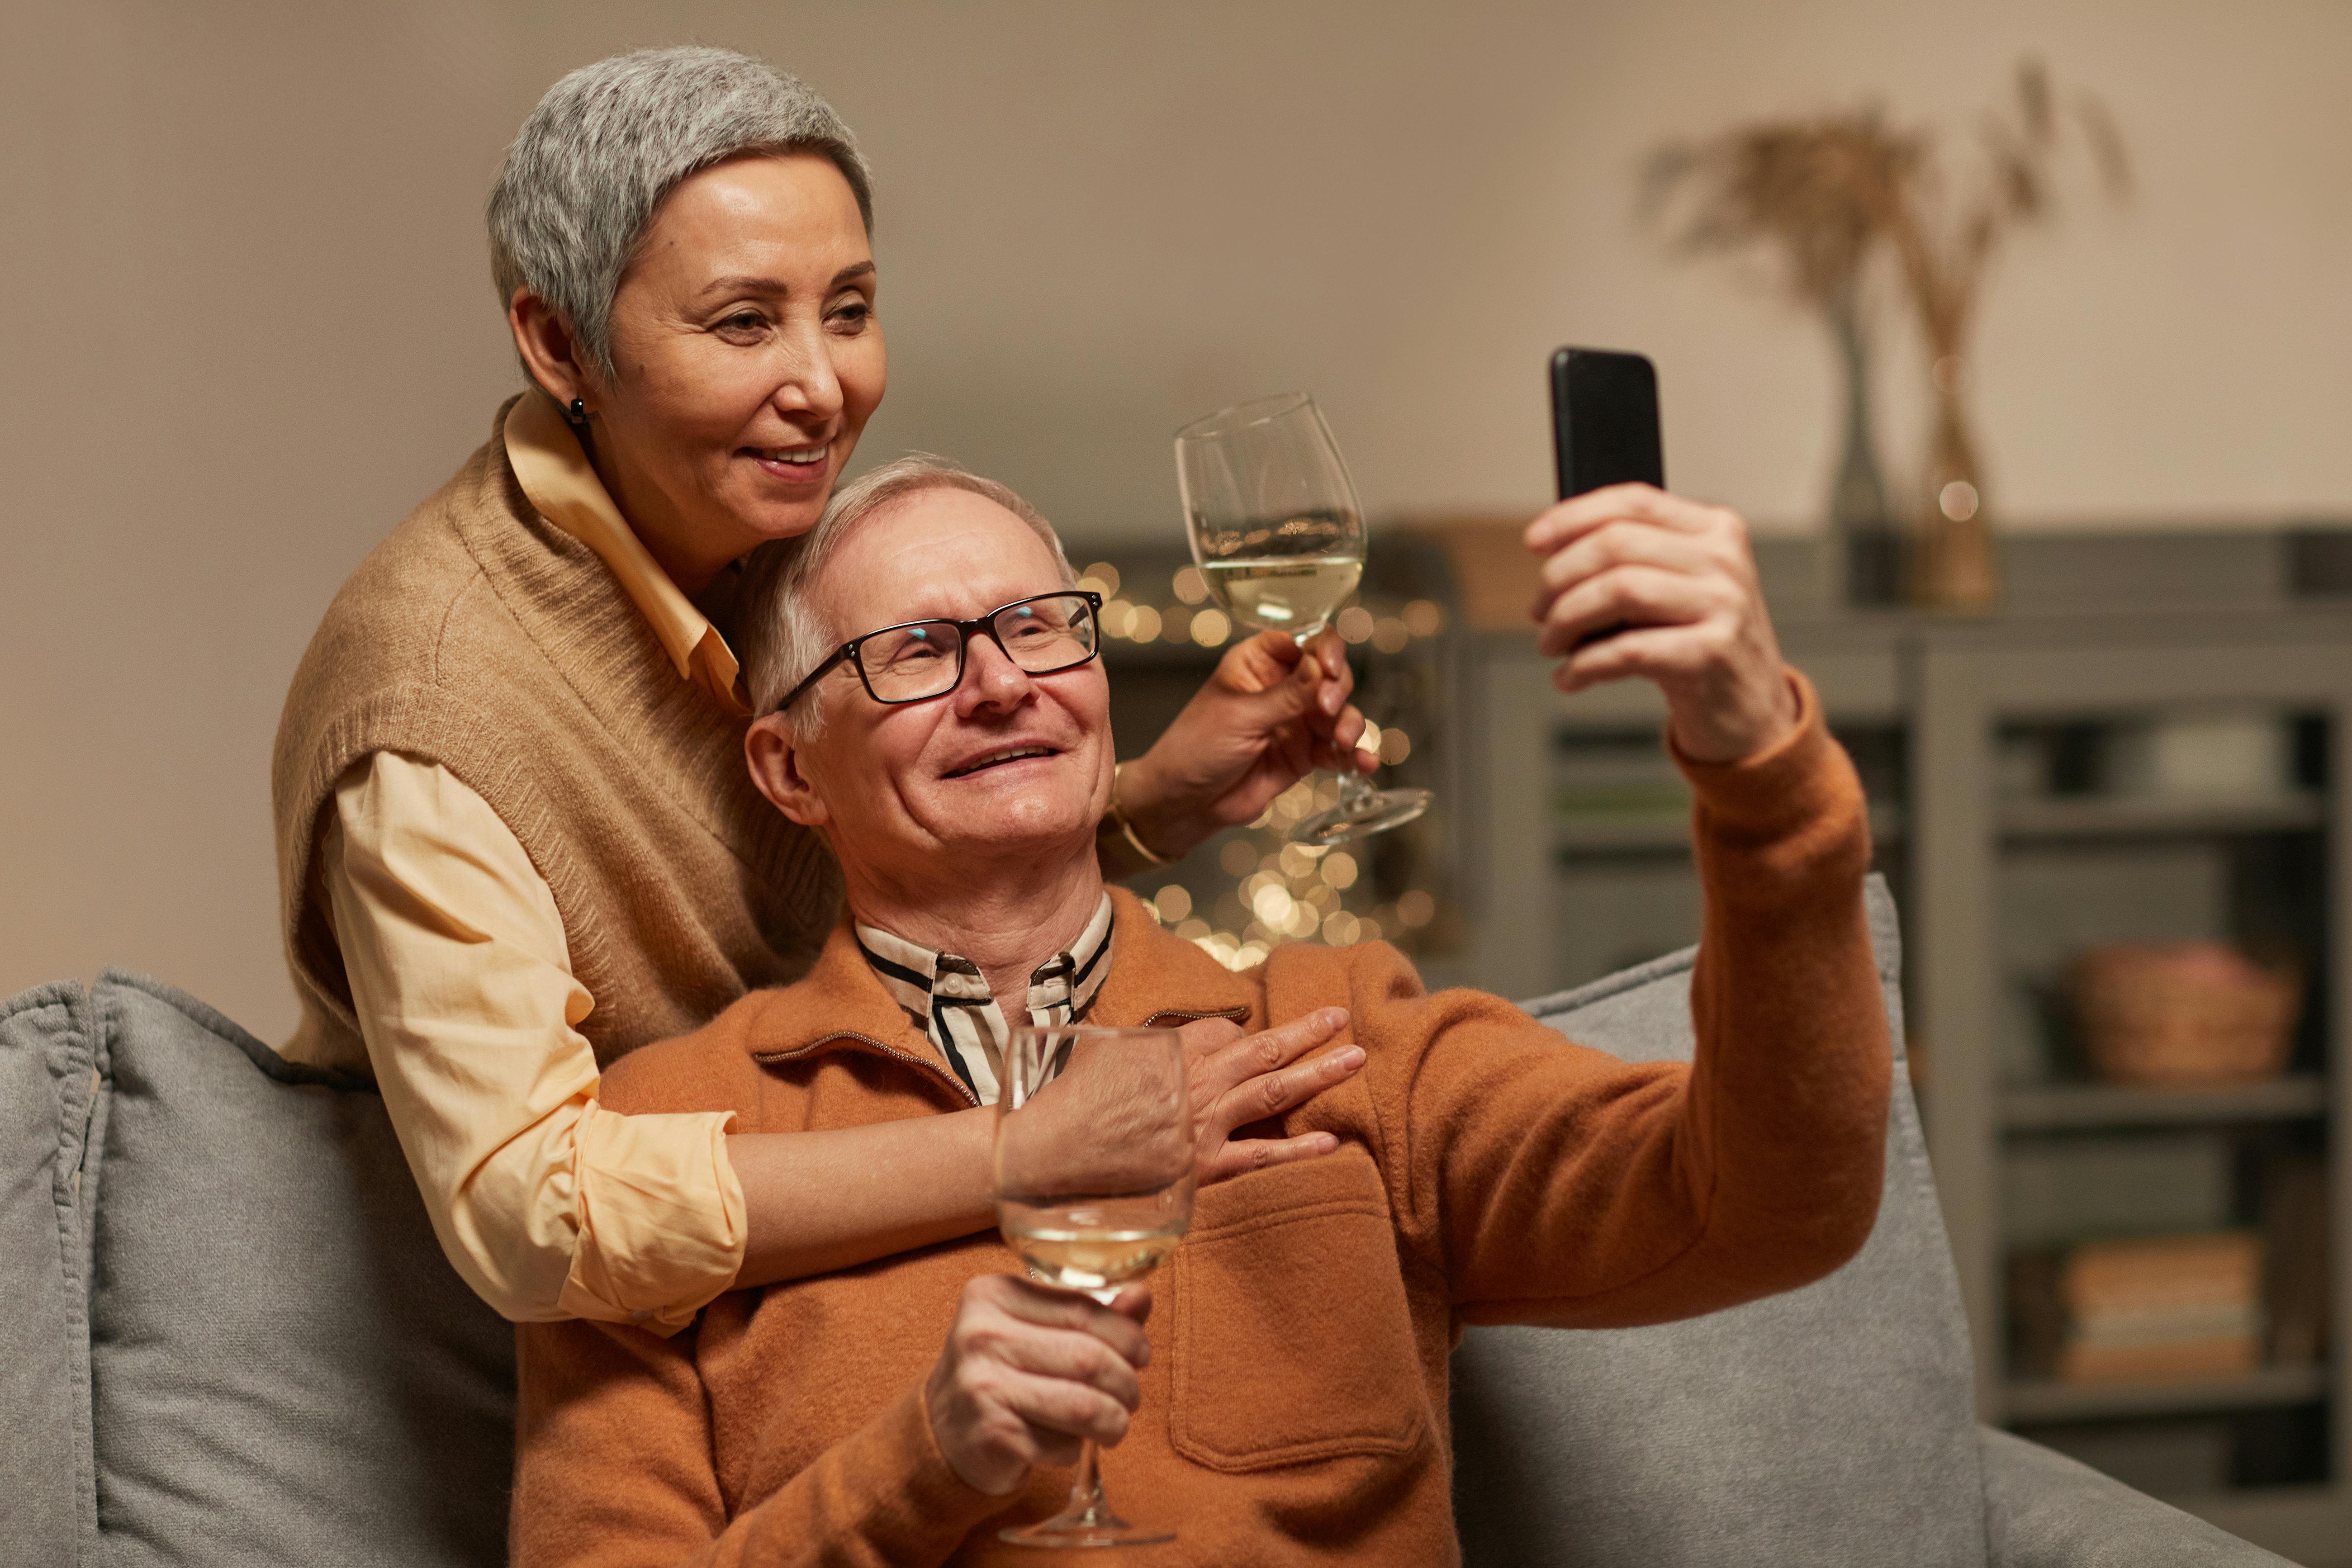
245 320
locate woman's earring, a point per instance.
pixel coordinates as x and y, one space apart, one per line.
577 414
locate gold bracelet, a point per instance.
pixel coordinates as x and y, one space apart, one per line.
1117 816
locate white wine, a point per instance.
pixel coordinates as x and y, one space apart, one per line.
1294 594
1094 1261
1096 1244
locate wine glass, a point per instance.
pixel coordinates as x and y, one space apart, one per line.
1094 1186
1279 539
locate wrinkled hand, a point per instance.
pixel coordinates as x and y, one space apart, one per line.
1680 578
1027 1372
1236 1080
1266 717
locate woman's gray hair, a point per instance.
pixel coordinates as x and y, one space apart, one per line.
782 635
606 145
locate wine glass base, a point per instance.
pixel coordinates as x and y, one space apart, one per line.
1094 1528
1387 809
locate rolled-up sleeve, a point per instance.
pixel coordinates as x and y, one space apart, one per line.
549 1205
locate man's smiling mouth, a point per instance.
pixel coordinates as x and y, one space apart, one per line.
1009 754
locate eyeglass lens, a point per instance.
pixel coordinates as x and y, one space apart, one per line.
905 664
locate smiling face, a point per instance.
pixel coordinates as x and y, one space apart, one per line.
746 360
1008 767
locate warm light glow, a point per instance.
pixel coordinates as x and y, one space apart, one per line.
1424 618
1210 628
1273 905
1370 740
1394 747
1176 624
1389 634
1416 909
1145 625
1354 623
1239 857
1100 576
1958 500
1338 869
1188 585
1339 929
1193 929
1173 902
1118 618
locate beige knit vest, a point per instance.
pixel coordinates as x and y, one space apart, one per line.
481 636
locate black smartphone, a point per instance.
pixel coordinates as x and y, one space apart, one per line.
1604 420
1604 428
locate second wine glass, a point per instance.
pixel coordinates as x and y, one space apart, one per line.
1094 1187
1279 539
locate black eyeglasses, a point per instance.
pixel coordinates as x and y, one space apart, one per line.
923 659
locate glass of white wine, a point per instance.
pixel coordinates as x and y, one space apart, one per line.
1093 1180
1279 539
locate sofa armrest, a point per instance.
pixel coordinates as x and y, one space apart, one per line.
2043 1510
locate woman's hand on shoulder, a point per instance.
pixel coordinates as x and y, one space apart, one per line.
1239 1080
1271 713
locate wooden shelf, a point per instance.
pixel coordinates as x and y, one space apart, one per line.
2103 818
2266 1389
1644 834
2057 1106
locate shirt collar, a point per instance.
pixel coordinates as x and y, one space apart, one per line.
946 997
562 484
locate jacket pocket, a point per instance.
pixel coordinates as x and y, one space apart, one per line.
1292 1335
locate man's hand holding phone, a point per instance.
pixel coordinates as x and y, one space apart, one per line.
1677 579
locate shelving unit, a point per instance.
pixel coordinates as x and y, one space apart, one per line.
2099 630
1973 851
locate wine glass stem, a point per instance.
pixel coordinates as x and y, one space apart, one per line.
1355 791
1088 1503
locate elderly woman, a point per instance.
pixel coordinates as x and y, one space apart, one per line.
516 836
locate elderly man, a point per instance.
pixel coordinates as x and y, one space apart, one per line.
956 754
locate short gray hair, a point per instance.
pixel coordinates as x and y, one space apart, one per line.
606 145
781 633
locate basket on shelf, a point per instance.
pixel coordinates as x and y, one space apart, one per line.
2178 1015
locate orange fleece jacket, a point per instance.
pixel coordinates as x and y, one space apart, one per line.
1295 1407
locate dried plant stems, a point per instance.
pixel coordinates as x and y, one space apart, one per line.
1823 194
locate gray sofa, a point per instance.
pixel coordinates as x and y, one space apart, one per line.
228 1336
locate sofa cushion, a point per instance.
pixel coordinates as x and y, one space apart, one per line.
47 1047
284 1367
1833 1424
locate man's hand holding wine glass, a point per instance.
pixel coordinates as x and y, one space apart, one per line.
1641 582
1030 1372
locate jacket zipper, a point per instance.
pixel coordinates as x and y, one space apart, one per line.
1193 1015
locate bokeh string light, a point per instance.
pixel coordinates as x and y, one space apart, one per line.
1276 891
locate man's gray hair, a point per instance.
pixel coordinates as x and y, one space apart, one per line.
783 636
606 145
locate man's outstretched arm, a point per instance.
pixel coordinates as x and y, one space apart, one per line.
1550 1182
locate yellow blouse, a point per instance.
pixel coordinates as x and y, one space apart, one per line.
550 1206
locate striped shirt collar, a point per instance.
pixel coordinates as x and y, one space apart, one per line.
947 998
